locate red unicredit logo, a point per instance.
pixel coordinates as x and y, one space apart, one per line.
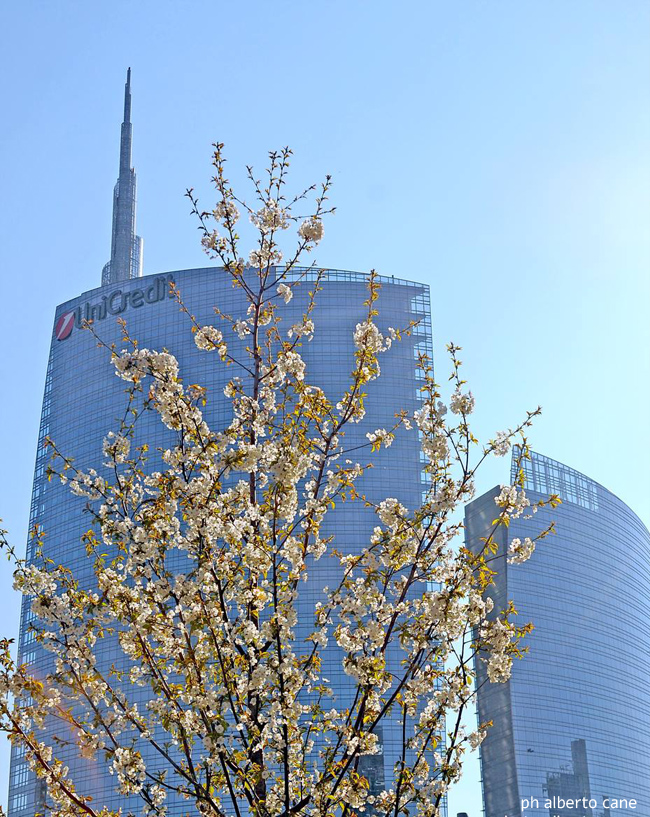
64 326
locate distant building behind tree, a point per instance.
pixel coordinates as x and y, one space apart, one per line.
574 719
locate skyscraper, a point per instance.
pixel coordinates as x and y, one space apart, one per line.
573 722
83 400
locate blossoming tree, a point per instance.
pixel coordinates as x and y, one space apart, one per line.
239 717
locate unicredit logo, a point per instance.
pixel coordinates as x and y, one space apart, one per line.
64 326
114 303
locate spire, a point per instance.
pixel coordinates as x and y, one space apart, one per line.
127 128
127 97
126 246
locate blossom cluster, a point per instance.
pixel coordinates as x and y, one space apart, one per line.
210 338
519 551
512 500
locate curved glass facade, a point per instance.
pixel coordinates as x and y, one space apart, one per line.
573 722
84 400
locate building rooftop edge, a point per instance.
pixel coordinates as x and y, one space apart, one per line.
535 455
139 281
566 469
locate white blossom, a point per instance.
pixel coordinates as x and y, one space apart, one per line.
130 770
380 437
116 447
226 211
512 500
311 230
242 329
501 443
302 330
520 551
265 255
210 338
462 403
368 337
270 217
285 292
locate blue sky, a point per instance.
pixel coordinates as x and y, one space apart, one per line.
499 151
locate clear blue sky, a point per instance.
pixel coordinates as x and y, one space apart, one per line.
498 150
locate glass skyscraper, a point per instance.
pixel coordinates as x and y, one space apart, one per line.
84 400
573 722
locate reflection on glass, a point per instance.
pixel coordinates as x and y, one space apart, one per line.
570 784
